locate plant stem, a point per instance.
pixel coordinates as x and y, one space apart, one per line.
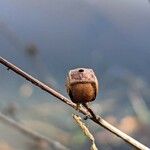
99 120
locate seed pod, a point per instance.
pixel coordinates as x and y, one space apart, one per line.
82 85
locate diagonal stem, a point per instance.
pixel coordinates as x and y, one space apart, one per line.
98 120
30 133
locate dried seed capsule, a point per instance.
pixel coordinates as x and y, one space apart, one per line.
82 85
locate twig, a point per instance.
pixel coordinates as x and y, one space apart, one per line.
90 111
30 133
86 131
56 94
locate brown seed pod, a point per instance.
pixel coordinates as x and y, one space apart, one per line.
82 85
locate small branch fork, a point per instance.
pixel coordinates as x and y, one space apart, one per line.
97 119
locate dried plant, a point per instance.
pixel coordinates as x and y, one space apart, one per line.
86 131
87 112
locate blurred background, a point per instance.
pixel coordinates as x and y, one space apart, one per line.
48 38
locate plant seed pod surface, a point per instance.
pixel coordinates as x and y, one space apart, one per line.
82 85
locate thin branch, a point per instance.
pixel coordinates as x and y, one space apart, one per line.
30 133
90 111
56 94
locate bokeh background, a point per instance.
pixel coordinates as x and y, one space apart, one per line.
48 38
